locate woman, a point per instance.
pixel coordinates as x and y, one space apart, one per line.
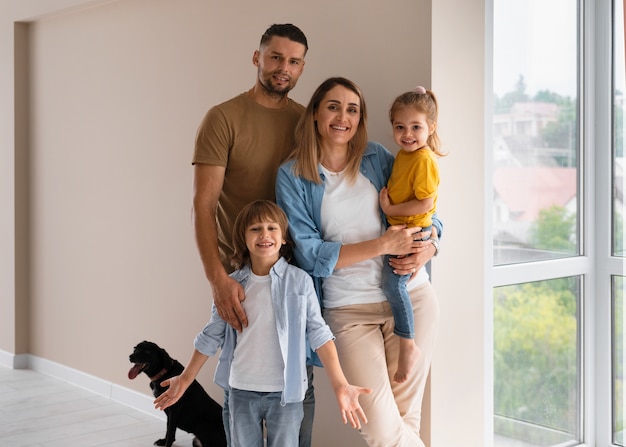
329 189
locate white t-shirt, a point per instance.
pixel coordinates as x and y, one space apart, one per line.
258 363
350 214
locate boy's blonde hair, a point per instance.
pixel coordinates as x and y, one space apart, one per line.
255 212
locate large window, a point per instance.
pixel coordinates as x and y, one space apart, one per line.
537 220
536 357
535 130
558 245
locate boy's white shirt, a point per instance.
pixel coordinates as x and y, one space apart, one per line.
258 363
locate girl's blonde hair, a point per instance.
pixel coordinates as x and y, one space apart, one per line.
307 138
423 101
252 213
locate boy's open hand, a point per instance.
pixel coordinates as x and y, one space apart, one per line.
351 411
174 392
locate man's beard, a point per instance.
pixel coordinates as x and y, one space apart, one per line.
271 90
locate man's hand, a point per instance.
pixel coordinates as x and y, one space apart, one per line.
227 297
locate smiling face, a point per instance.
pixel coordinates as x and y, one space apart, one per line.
279 65
411 129
264 241
338 116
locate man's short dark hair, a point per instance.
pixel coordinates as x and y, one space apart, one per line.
291 32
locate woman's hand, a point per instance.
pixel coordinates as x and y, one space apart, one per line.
399 240
412 262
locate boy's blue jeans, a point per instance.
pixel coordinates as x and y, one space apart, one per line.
306 427
394 287
248 410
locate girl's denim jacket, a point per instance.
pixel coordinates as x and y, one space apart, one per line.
299 324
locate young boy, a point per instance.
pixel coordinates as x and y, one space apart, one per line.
264 366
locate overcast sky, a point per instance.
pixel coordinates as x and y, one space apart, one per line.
536 39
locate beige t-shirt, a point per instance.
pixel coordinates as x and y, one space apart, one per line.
251 142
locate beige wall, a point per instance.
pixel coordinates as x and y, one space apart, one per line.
100 104
458 371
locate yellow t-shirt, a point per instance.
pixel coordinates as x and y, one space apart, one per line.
415 175
251 142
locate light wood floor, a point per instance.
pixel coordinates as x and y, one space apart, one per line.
37 410
40 411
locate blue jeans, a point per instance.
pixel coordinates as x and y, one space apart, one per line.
248 411
394 287
306 428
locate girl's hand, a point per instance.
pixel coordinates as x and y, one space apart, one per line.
383 198
348 399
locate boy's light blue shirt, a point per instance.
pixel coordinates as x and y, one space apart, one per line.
298 321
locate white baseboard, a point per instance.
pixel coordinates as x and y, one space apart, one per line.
7 360
110 390
13 361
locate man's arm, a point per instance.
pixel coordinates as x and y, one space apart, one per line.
227 293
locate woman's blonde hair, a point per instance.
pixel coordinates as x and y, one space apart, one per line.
256 212
423 101
307 138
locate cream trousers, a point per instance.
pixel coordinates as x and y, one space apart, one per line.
368 352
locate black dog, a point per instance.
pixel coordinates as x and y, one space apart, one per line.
196 412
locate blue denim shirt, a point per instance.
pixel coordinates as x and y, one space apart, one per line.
299 324
302 202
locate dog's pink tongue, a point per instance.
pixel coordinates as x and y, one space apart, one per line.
134 371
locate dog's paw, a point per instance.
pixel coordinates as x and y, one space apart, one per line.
196 443
159 442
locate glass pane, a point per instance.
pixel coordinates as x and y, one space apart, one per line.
535 138
619 361
536 363
618 132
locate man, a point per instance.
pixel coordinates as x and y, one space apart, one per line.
239 146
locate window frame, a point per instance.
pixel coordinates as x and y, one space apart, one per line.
595 263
